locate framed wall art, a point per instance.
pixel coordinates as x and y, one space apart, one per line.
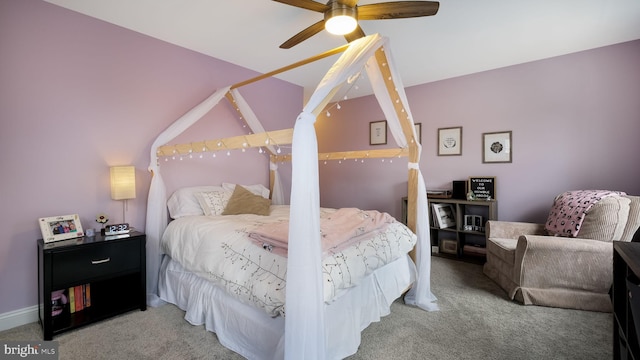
418 127
497 147
60 227
450 141
378 132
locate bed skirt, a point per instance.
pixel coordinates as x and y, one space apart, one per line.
252 333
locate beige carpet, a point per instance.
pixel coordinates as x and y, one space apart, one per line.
475 321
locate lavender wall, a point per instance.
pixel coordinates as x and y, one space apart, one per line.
78 95
575 121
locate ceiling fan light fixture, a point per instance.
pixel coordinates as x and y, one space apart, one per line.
340 19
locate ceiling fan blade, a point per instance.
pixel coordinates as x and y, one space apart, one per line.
355 34
306 4
349 3
303 35
397 10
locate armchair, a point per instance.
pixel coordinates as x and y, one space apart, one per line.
535 268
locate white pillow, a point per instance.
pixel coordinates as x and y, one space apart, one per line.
257 189
213 202
183 202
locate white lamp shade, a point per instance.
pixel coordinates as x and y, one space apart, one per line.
123 182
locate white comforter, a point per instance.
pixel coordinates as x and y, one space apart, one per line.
218 249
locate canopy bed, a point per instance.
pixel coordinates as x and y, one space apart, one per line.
316 326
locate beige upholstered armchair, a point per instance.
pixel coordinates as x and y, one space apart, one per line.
559 271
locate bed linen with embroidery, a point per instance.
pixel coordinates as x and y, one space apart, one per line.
219 249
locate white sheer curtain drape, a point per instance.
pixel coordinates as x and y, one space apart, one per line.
157 199
420 294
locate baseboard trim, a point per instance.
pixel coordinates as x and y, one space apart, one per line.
18 317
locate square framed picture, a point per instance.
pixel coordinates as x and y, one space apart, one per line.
60 227
418 127
444 215
378 132
497 147
450 141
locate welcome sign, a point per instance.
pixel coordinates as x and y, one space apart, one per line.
484 188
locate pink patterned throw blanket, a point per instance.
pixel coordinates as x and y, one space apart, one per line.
338 230
569 209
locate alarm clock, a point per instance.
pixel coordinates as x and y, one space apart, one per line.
116 229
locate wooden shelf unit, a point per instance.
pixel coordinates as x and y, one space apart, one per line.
476 238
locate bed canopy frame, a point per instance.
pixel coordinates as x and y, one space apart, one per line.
304 321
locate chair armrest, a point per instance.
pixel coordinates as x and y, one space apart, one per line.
555 262
512 230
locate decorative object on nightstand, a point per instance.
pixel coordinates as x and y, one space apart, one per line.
123 185
104 277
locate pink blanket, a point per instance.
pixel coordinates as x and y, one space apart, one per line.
338 230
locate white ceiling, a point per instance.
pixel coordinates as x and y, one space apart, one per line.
464 37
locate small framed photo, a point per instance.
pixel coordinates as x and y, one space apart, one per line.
497 147
418 128
60 227
449 246
450 141
378 132
444 215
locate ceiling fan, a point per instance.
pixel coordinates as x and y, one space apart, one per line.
345 15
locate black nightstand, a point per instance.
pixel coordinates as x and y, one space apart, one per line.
113 266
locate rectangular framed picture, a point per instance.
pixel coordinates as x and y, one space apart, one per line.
418 127
449 246
445 215
497 147
450 141
60 227
378 132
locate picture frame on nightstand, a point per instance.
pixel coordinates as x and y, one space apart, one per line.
63 227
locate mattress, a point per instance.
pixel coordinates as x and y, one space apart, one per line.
219 249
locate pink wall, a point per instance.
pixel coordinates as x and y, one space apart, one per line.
78 95
575 121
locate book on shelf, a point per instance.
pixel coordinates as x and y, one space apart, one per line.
72 300
79 297
438 193
474 250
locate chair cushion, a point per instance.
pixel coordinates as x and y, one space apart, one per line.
503 249
633 222
606 220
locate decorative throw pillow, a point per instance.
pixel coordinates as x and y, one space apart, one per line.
243 201
257 189
213 202
183 202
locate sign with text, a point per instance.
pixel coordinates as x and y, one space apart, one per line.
484 188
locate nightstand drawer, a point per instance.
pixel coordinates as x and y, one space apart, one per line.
102 260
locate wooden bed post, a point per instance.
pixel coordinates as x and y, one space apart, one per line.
407 129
